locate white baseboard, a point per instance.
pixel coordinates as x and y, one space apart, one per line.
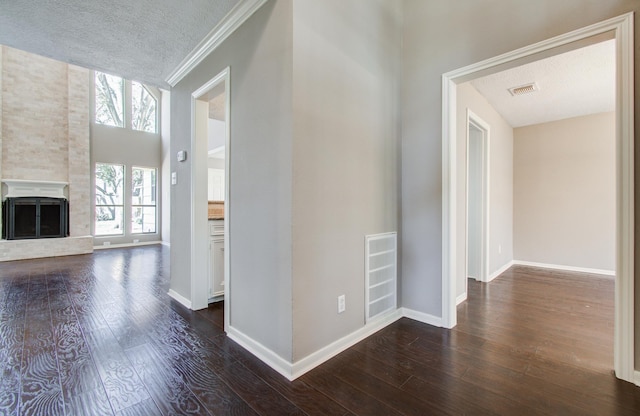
566 268
500 271
636 378
266 355
294 370
324 354
291 371
165 243
124 245
422 317
179 298
461 298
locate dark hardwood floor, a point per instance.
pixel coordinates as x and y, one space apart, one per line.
98 335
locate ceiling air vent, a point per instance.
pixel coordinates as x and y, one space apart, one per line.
523 89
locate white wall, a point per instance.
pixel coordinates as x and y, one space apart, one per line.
564 199
346 85
500 246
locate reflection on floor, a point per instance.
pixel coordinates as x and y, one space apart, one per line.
97 334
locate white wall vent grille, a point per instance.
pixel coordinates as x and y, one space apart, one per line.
524 89
381 266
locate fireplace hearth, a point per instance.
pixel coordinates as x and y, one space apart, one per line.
35 217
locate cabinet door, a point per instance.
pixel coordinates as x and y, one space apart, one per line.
217 255
216 184
211 269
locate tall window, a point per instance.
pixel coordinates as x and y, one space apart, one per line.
109 218
123 103
109 99
143 200
143 108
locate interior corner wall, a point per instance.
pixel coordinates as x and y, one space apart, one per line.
500 173
259 56
564 197
441 36
346 80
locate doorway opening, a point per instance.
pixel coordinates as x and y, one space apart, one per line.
477 217
210 216
620 29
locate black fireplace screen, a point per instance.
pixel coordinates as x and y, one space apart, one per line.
27 217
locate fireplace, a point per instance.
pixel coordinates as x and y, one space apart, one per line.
35 217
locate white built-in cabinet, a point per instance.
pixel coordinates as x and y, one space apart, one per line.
216 184
216 260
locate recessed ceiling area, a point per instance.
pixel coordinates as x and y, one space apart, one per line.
144 40
572 84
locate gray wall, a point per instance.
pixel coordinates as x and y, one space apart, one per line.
346 77
259 55
564 192
500 246
440 36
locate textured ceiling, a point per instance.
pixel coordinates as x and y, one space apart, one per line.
143 40
572 84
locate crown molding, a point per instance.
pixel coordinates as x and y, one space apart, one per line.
236 17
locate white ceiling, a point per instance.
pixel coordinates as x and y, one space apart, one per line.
576 83
143 40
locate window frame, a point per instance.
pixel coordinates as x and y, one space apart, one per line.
127 98
122 198
134 206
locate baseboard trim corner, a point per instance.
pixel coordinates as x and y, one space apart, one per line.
500 271
461 298
179 298
266 355
636 378
425 318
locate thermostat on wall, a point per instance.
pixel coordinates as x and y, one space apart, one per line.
182 155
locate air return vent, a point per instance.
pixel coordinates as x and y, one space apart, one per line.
524 89
380 274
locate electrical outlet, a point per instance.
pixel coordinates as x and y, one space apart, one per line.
341 303
174 178
106 243
136 241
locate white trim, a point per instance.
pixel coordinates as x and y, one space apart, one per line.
28 188
566 268
232 21
461 298
124 245
622 27
500 271
179 298
294 370
425 318
479 123
199 229
165 243
315 359
636 378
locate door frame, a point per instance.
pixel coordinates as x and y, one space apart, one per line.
622 30
480 124
199 198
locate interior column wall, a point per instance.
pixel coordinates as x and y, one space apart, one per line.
346 85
